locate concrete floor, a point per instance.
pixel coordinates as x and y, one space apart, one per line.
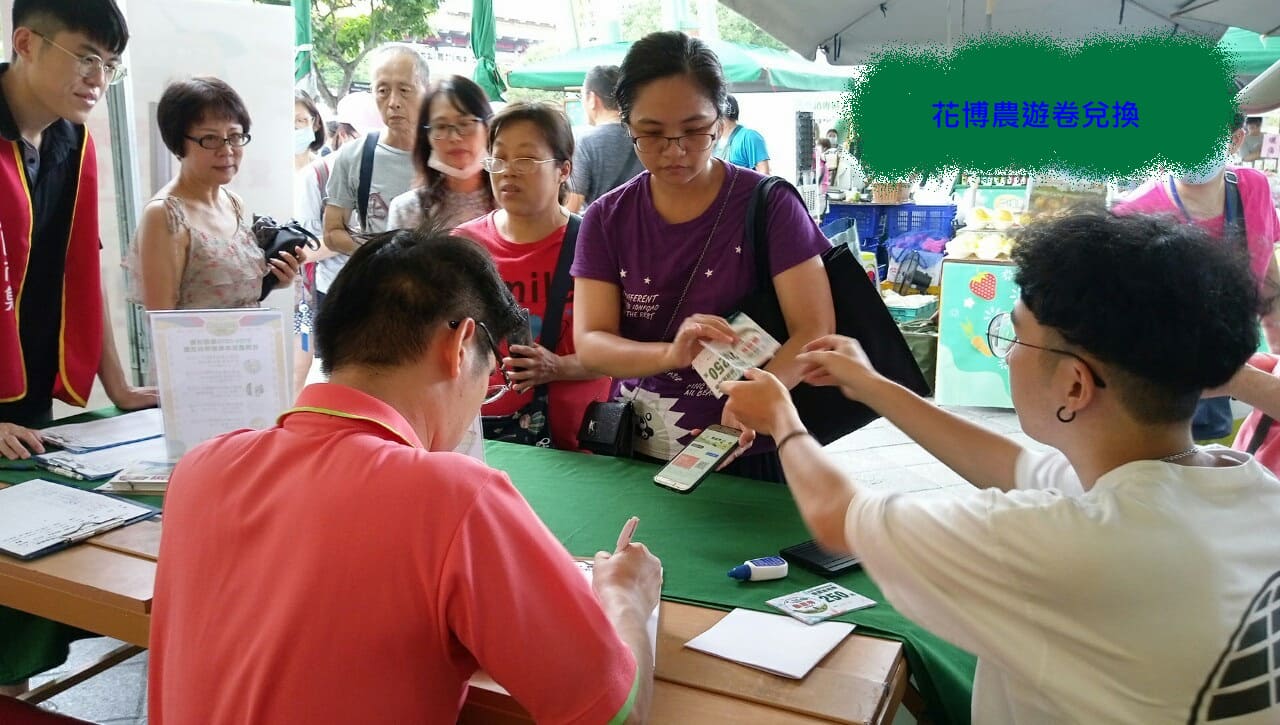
879 455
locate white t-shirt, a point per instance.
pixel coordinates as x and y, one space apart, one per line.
1152 598
392 175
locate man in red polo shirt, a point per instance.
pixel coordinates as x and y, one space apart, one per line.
346 566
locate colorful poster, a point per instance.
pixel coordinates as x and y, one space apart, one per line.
973 292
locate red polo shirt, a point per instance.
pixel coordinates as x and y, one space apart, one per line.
331 570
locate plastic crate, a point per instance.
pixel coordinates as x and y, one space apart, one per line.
908 314
869 218
905 218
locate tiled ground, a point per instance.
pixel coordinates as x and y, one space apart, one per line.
879 454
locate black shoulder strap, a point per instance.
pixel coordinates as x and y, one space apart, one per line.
1233 213
366 177
758 226
1260 434
553 315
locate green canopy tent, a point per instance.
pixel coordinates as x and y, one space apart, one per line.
302 39
1253 53
747 68
484 45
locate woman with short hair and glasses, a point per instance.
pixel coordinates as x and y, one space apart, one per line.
662 257
195 248
453 134
531 152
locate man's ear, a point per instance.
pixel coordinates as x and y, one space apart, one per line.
24 43
1237 140
453 347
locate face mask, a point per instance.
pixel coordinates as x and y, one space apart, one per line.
833 139
471 170
302 139
1203 177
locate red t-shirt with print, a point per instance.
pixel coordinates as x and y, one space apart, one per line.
528 269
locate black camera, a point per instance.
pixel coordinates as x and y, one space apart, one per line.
274 238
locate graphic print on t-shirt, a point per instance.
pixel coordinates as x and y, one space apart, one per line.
378 209
1246 679
657 431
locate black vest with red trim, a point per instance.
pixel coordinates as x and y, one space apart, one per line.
80 334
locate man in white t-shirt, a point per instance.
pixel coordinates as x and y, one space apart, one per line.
1129 576
400 77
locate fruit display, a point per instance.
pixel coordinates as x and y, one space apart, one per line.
984 234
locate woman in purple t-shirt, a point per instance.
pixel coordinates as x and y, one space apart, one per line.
662 257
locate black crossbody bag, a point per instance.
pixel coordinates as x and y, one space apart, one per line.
531 424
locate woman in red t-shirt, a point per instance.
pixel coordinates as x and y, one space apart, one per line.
531 146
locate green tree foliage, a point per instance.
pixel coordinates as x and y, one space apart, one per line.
737 29
345 31
641 17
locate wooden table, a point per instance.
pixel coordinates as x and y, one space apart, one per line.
105 586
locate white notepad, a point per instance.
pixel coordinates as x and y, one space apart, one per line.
107 432
39 516
771 642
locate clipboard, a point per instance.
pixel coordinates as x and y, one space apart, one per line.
39 517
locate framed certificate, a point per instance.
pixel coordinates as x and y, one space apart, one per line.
219 371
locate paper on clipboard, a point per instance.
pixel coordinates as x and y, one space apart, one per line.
103 462
107 432
219 371
39 516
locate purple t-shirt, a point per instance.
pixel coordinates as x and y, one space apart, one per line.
624 241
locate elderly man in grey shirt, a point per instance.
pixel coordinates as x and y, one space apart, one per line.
400 78
606 158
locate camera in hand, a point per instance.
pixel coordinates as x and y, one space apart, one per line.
274 238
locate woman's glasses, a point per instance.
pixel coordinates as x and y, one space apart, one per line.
514 166
214 142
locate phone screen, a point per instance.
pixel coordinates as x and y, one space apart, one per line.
698 459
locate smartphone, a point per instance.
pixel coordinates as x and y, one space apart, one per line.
818 560
698 459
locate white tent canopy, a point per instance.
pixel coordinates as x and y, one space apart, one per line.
850 30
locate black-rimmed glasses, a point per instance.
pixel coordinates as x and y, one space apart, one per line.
91 65
214 142
1001 338
654 144
494 391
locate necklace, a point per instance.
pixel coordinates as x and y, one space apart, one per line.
1179 456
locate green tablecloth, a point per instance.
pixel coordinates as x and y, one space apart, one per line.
30 645
584 500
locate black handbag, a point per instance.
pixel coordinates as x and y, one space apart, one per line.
531 424
860 314
274 238
608 428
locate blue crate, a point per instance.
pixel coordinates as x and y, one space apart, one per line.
869 218
904 218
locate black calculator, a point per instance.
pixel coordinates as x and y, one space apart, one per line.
818 560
